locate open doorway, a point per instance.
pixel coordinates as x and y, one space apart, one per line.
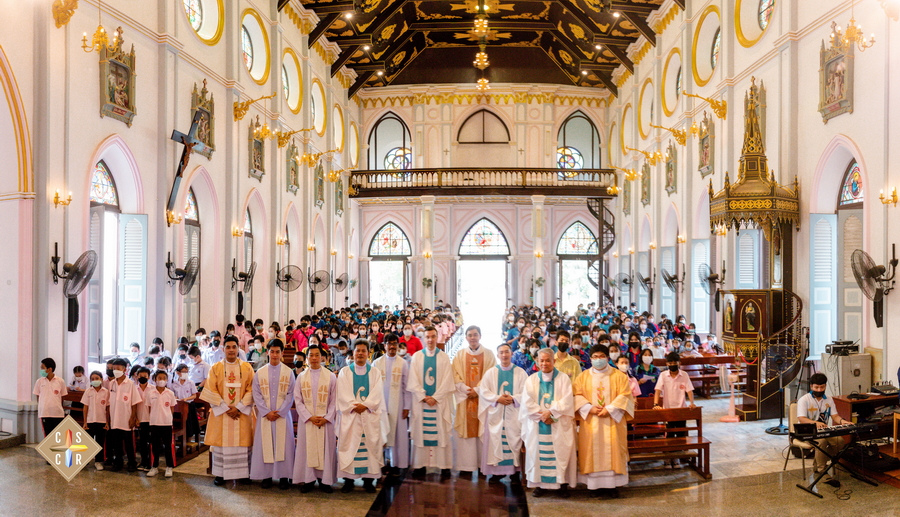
575 289
482 296
387 281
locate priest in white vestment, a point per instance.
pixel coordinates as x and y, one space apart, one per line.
548 428
229 392
395 372
431 385
604 399
469 366
500 397
315 398
273 441
363 424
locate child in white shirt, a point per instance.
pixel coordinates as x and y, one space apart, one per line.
79 381
162 403
144 441
50 390
96 416
186 391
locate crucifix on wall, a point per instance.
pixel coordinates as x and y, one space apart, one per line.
191 144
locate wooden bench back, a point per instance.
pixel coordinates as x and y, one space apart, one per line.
662 416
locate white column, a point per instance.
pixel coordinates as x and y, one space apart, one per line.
537 232
427 237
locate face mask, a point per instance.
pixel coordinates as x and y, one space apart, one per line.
534 351
334 334
162 384
182 356
689 347
599 364
375 329
259 327
43 373
118 373
623 368
142 381
183 376
407 332
646 360
298 364
673 368
520 324
510 318
362 332
109 372
614 355
402 353
576 347
96 384
643 327
818 394
543 328
614 336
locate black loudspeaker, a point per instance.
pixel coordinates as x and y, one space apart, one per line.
73 314
240 302
878 312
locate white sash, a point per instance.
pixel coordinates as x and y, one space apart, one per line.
284 380
317 405
396 383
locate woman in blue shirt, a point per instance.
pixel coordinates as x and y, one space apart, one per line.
646 374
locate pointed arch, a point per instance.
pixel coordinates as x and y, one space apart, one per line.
103 187
483 127
672 227
484 238
19 124
390 241
578 134
830 169
646 235
578 239
851 194
389 143
123 167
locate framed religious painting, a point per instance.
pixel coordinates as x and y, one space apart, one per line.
707 156
645 184
671 168
320 184
117 82
257 151
835 77
293 168
202 101
339 197
626 197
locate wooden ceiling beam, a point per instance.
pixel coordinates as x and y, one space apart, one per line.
346 54
640 24
359 83
320 29
620 55
606 79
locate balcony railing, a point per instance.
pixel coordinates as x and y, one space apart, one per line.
412 182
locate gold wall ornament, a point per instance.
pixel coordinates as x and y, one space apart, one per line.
671 169
100 40
680 135
118 81
835 77
173 218
241 108
653 157
58 201
885 200
852 36
258 135
720 108
284 138
63 11
202 101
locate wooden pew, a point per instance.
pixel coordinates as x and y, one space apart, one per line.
704 372
644 444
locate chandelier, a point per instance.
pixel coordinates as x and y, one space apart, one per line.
100 40
481 60
481 29
853 35
483 84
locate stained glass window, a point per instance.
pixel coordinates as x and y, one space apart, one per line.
398 158
678 83
248 224
852 190
390 241
766 7
484 238
103 189
716 46
285 83
190 207
194 10
578 239
247 47
569 158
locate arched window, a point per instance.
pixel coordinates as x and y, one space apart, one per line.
248 257
484 238
390 241
389 144
578 136
194 11
103 188
851 193
716 47
246 47
677 84
285 83
191 249
766 7
578 239
483 127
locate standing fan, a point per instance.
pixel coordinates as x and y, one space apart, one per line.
873 281
318 282
289 278
710 280
186 277
76 277
624 282
672 281
646 284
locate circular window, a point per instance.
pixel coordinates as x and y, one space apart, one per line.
671 82
706 43
255 46
318 106
398 158
354 145
751 19
613 145
645 109
569 158
291 84
206 18
766 7
626 138
337 128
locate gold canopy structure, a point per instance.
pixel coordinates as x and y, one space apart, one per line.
756 200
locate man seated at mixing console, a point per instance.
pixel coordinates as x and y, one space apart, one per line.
817 408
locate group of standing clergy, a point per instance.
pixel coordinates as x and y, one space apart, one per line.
467 414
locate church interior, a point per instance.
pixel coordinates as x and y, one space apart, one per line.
171 164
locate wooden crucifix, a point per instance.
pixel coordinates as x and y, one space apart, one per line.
191 144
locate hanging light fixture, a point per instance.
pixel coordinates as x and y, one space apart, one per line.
100 39
483 84
482 28
481 59
853 35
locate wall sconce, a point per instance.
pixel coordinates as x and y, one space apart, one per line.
720 108
887 200
172 218
311 247
652 246
333 252
631 251
612 190
280 241
350 256
721 230
615 254
681 239
58 201
539 254
237 232
427 254
241 108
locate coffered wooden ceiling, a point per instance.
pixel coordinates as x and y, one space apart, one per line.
411 41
